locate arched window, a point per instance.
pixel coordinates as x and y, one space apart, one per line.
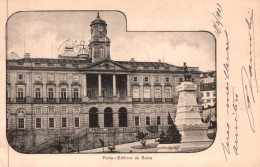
108 117
122 117
21 119
101 52
93 118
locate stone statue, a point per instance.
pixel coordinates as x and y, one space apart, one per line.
187 75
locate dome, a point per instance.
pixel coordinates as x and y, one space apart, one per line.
98 20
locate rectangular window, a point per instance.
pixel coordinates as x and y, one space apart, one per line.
51 122
167 79
21 123
136 121
146 79
180 79
147 120
76 122
192 79
20 76
50 77
38 123
135 79
38 93
63 93
157 79
20 93
76 93
208 94
208 101
63 122
158 120
38 77
147 92
89 94
50 93
168 93
157 93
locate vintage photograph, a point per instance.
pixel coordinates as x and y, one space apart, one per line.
81 82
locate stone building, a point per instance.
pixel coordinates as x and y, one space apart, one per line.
88 95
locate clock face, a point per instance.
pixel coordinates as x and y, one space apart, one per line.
100 28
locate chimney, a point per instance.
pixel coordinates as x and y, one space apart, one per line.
159 60
132 60
27 55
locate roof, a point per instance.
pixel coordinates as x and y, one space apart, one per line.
208 86
208 74
98 20
53 61
148 64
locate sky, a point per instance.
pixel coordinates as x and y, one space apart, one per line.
43 35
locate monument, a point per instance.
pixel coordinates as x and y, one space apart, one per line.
188 119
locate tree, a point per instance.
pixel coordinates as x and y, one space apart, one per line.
141 136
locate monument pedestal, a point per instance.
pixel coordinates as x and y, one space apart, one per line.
188 119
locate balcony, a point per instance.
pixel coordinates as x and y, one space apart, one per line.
168 99
136 99
157 99
147 99
23 99
51 99
38 100
76 99
63 99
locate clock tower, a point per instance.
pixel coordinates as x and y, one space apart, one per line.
99 45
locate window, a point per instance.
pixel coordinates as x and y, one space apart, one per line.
38 77
136 121
20 76
63 122
38 93
168 93
63 77
214 93
75 93
20 93
37 64
38 122
167 79
214 100
157 79
50 93
63 93
50 77
147 120
21 123
75 78
180 79
135 79
208 94
146 79
208 101
201 94
103 93
101 52
89 94
51 122
157 92
158 120
76 122
192 79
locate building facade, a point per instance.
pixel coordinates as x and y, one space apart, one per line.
208 89
89 92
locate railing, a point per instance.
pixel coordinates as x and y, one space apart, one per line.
157 99
63 99
136 100
147 99
76 99
21 99
51 99
168 99
38 100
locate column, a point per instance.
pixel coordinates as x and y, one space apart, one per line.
85 89
128 85
114 85
99 85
